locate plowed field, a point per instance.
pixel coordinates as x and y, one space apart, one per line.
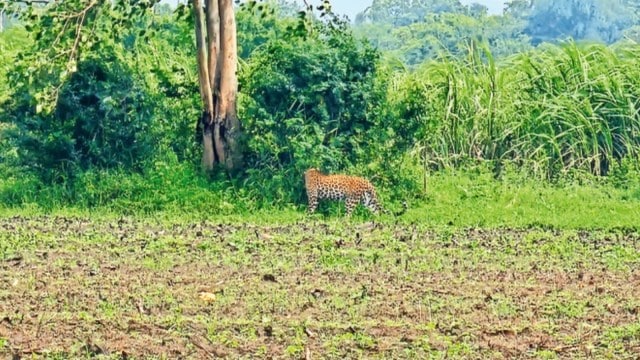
76 288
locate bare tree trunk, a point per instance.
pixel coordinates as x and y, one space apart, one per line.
227 127
1 20
217 67
206 90
213 32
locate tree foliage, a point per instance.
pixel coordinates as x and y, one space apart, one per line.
316 98
596 20
405 12
415 31
101 98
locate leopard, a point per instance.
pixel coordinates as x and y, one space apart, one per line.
353 190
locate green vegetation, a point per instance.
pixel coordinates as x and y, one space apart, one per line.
553 109
517 150
415 31
453 198
312 94
11 42
418 31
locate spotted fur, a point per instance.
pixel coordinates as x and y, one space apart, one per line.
353 190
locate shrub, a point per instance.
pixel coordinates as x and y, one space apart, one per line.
318 101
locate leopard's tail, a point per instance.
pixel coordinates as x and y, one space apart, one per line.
405 207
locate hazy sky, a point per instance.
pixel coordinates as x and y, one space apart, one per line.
352 7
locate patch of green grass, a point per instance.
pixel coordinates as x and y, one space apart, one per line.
157 263
108 310
546 355
618 257
503 307
617 339
453 199
462 199
565 306
623 333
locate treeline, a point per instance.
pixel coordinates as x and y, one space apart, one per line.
415 31
312 93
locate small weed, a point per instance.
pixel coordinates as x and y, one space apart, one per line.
503 307
630 332
108 309
546 355
564 306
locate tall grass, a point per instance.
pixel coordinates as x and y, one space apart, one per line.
554 109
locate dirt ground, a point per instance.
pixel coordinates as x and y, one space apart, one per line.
76 288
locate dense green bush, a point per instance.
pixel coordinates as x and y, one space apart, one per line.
318 101
12 41
118 109
101 119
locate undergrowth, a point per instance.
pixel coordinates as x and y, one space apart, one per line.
476 197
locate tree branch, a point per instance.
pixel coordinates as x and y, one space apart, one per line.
31 2
201 48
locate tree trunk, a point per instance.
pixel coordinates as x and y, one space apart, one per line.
208 156
213 30
227 125
217 65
